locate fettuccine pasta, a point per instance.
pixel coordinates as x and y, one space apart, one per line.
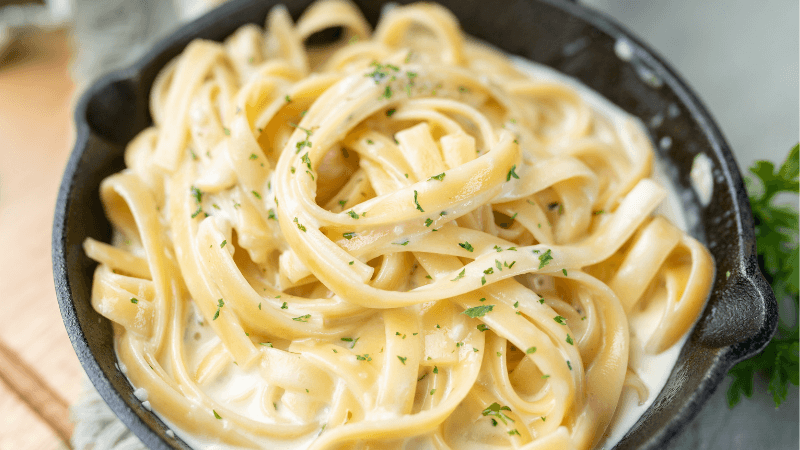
399 240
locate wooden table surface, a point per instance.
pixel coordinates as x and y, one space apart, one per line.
39 372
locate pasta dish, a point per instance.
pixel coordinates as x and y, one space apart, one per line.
399 240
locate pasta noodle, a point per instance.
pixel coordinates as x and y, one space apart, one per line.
399 239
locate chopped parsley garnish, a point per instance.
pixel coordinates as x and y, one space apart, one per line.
564 271
402 359
478 311
428 222
466 246
569 340
433 391
482 327
287 98
197 194
267 344
227 131
256 194
222 245
569 364
545 258
352 214
364 357
134 300
390 112
401 243
497 411
530 350
303 318
349 235
216 414
271 214
513 432
284 306
439 177
416 202
512 173
516 304
300 226
560 320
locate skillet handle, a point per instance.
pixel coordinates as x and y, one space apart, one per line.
745 316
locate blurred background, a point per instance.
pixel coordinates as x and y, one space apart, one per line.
740 57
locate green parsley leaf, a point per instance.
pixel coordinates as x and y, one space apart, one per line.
478 311
545 258
439 177
466 246
416 202
776 227
512 173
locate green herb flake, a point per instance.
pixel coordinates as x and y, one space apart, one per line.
564 271
216 415
544 259
416 202
530 350
352 214
428 222
222 245
569 340
134 300
482 327
496 410
460 275
402 359
303 318
349 235
478 311
439 177
560 320
466 246
256 194
284 306
512 173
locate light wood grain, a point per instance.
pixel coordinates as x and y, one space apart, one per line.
35 140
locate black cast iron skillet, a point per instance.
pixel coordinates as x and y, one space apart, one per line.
740 316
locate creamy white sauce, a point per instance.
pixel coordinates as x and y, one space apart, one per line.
230 388
702 178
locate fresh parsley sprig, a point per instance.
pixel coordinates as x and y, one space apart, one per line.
777 241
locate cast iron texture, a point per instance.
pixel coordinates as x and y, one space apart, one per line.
738 320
